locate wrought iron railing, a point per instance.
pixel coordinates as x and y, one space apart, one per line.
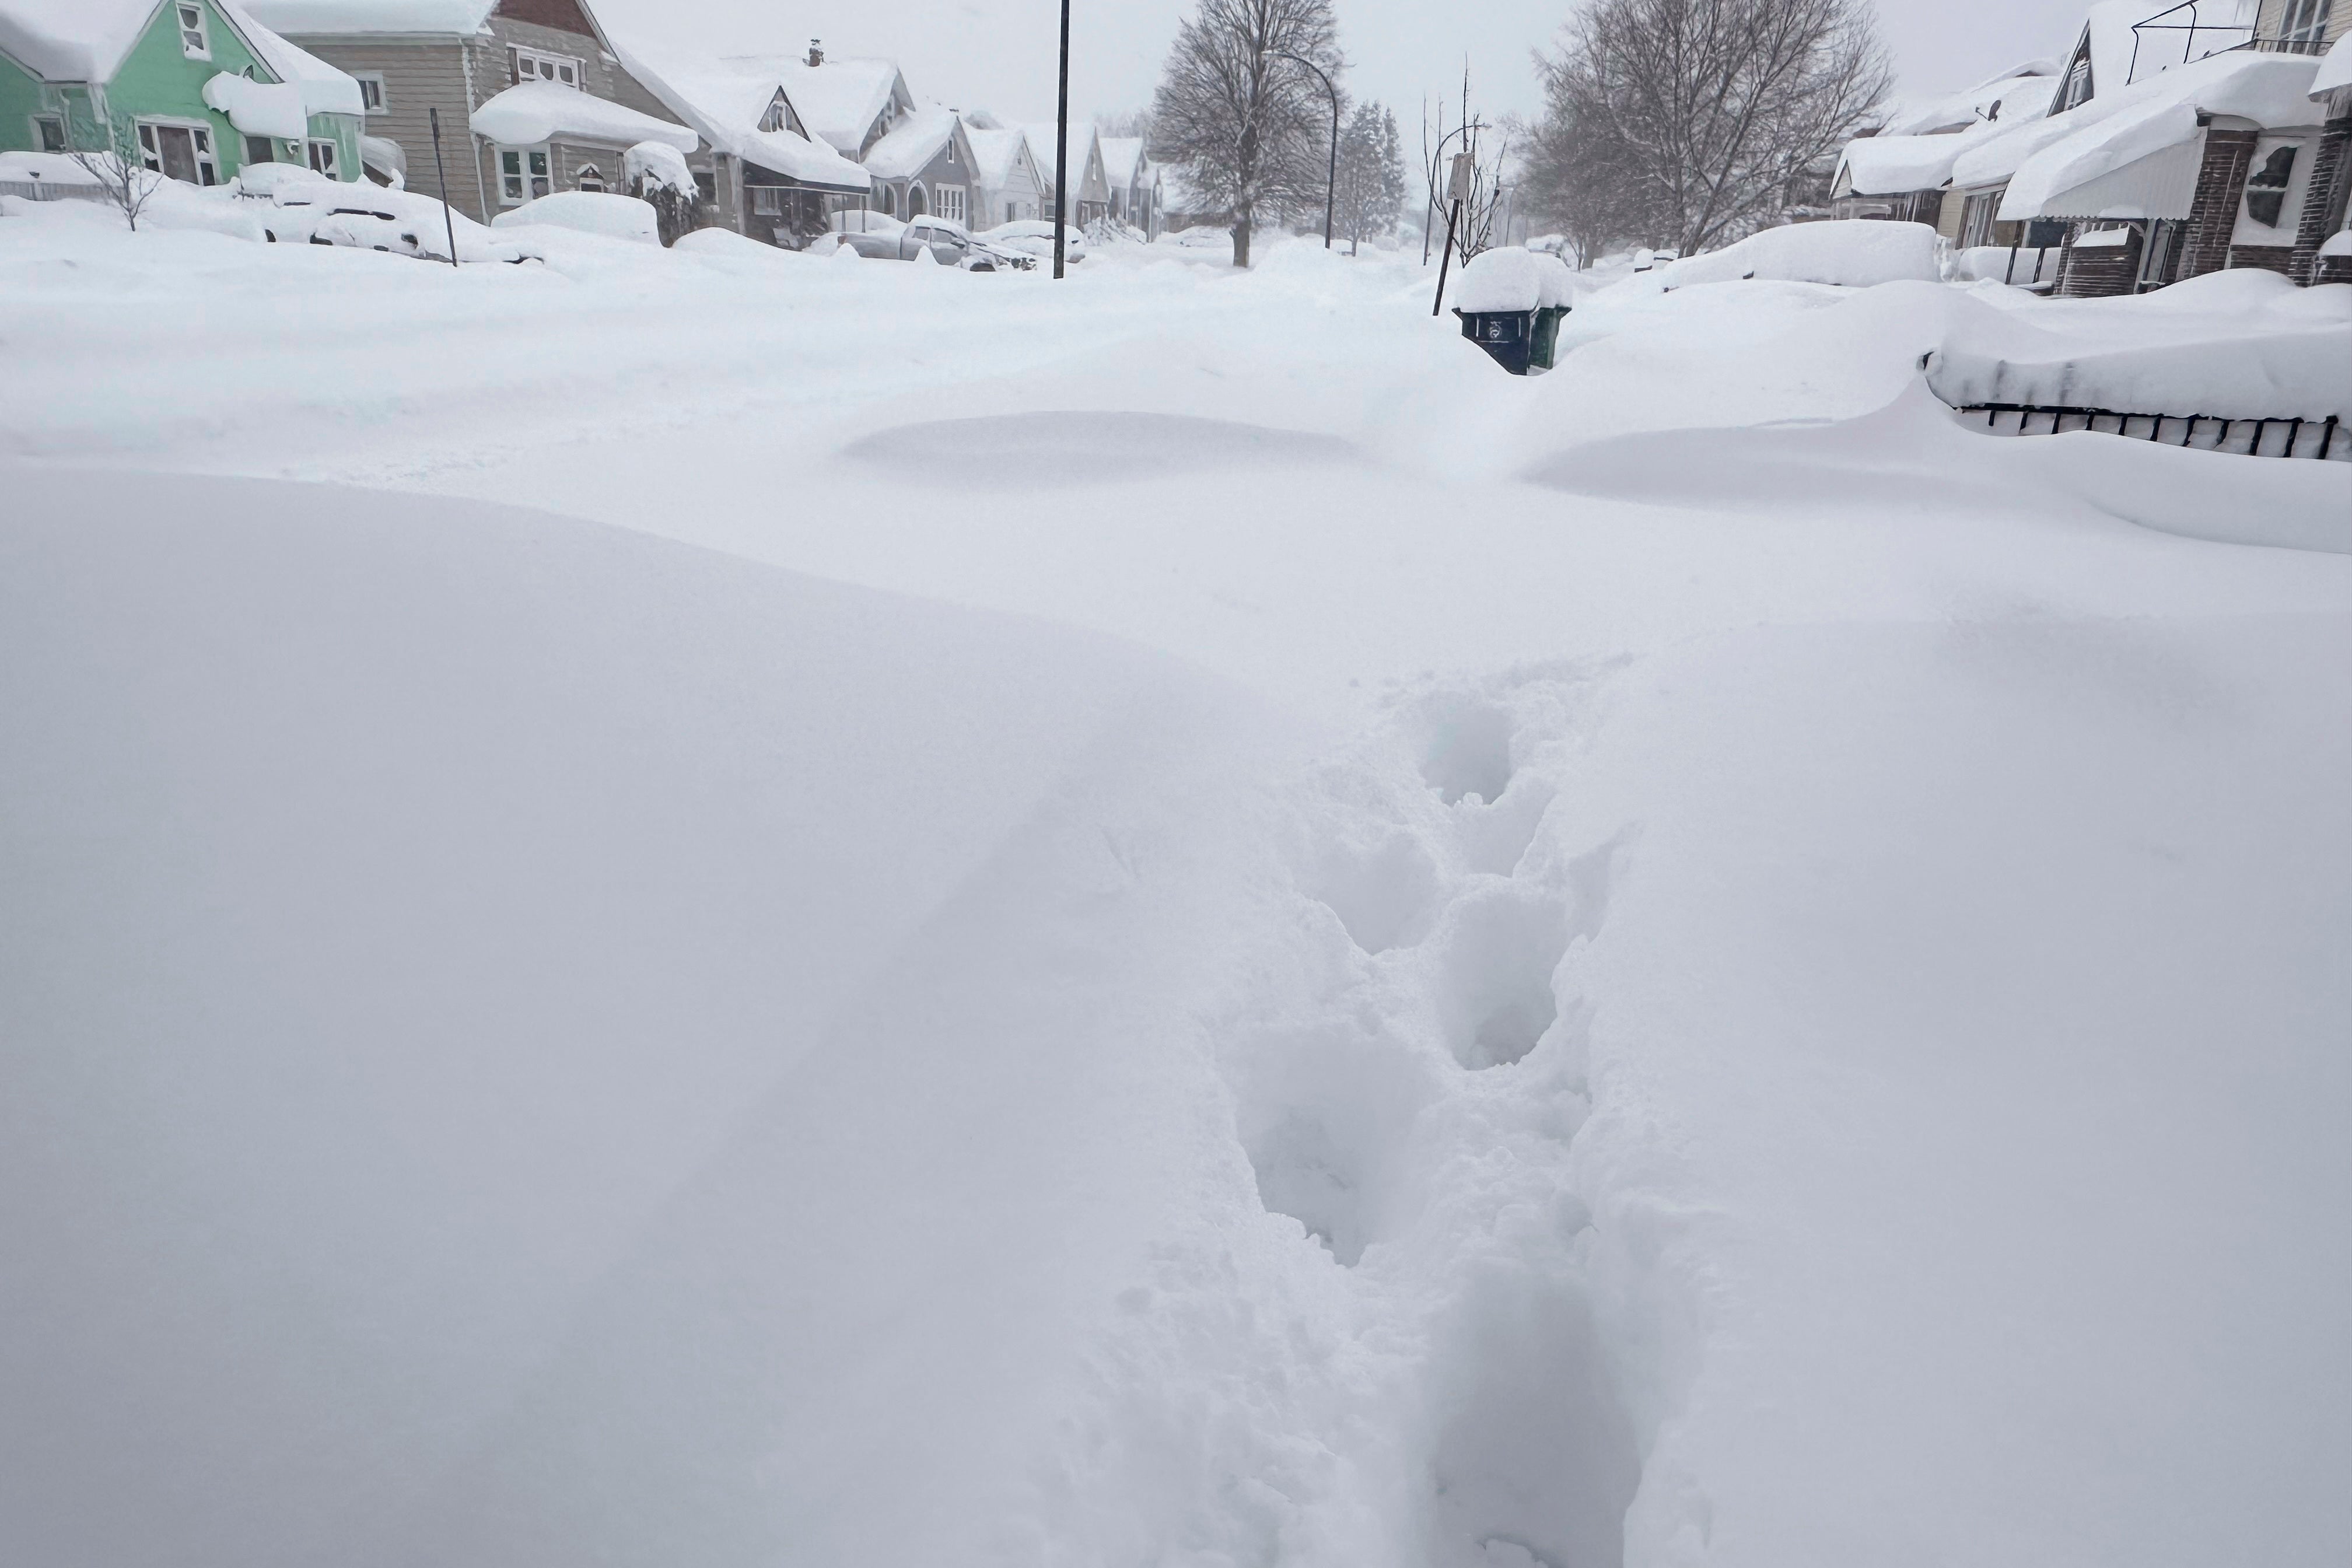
2306 39
2204 432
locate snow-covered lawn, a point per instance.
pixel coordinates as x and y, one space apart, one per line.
708 908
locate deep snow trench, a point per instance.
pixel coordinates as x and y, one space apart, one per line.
1155 926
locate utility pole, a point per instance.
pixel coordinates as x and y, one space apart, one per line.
1062 149
448 224
1331 187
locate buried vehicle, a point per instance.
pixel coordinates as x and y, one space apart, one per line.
1034 236
873 236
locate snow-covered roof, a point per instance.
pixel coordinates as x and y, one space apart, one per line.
839 100
994 153
1892 166
88 40
726 101
2335 69
2151 116
539 111
1122 156
1083 138
344 16
2021 92
911 144
2270 90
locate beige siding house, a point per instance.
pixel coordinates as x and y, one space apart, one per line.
459 57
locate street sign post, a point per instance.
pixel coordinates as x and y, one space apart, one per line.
1459 186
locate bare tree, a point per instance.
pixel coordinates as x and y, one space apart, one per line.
1488 148
1372 186
1247 127
1686 122
121 168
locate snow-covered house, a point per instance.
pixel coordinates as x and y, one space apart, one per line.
1089 195
2323 239
925 166
1133 182
771 179
847 104
199 87
1904 172
1007 186
531 94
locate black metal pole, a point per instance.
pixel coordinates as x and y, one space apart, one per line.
1331 186
1062 148
440 173
1446 263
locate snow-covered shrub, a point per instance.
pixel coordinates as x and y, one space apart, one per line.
657 175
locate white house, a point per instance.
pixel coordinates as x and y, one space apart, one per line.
772 180
1007 185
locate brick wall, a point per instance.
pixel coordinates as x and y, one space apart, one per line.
2269 258
2213 212
2324 196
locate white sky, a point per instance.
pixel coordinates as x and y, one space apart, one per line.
1000 54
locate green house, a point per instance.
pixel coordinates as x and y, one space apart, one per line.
198 85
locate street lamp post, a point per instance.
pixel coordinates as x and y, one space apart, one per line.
1331 187
1062 148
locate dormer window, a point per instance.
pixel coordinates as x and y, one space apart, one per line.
531 65
2077 90
193 42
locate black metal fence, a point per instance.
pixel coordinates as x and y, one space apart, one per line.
2204 432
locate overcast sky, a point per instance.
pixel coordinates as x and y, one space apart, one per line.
999 53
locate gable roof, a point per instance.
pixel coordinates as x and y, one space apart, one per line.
345 17
88 40
996 152
726 102
912 144
1086 151
73 40
839 100
2021 93
1122 160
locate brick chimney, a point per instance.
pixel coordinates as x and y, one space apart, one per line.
816 51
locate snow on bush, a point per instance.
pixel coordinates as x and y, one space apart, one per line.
657 165
588 212
1853 253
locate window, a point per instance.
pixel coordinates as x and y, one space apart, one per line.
2266 186
371 91
261 149
778 116
530 65
192 41
948 202
179 152
2078 84
2305 21
889 201
322 159
589 178
767 201
49 132
522 174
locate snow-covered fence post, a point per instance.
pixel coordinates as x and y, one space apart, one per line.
441 172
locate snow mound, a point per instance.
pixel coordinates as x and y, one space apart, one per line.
660 164
1514 277
535 111
1853 253
259 109
588 212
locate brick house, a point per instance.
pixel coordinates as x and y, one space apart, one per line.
461 58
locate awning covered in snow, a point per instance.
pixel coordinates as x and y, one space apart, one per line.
259 109
535 111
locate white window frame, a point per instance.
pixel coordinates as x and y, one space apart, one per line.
589 177
150 149
195 41
374 80
325 157
40 138
951 202
546 67
2247 230
522 156
767 201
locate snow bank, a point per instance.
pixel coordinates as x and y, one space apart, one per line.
538 110
48 168
1513 279
1853 253
589 212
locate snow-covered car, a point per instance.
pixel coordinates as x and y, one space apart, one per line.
873 236
1034 236
601 212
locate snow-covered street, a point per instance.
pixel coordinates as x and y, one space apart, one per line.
703 907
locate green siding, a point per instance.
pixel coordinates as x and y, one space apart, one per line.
158 80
